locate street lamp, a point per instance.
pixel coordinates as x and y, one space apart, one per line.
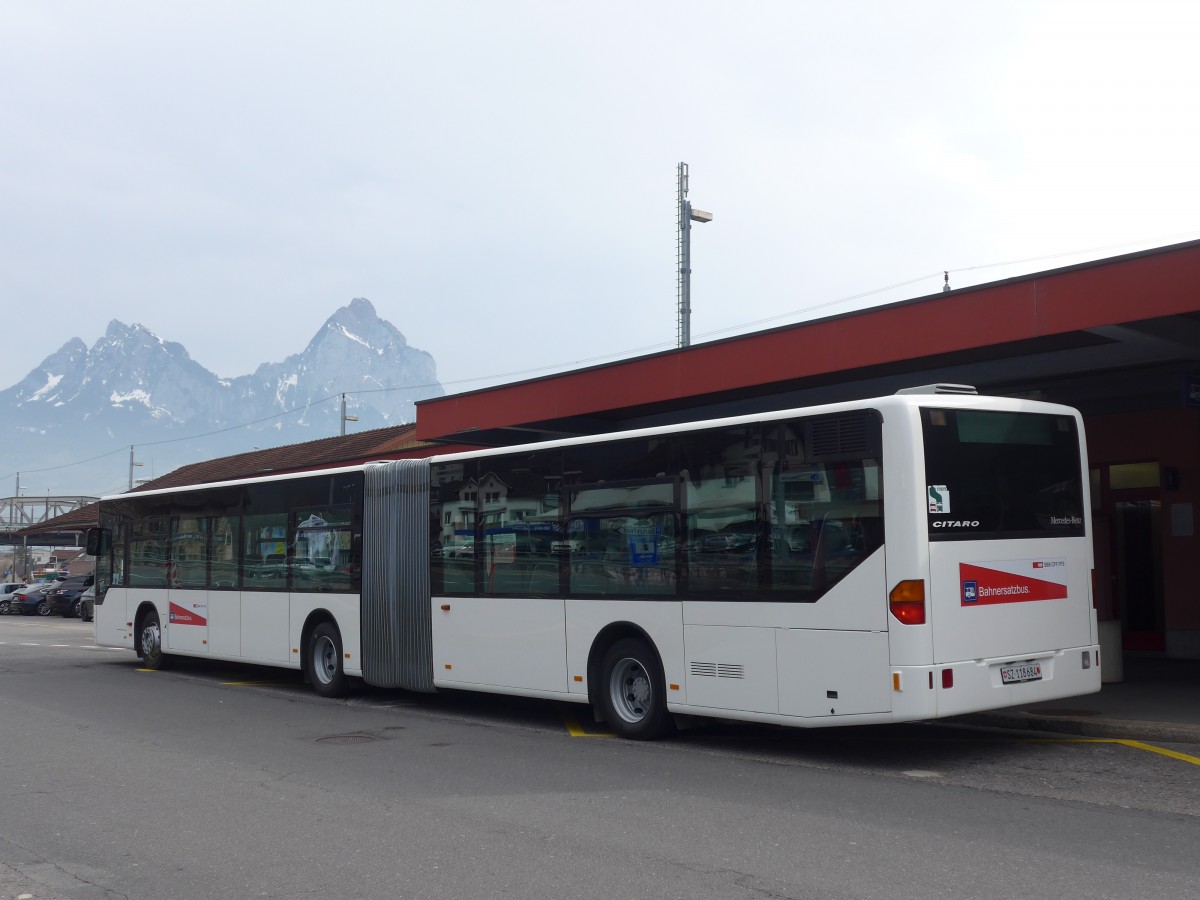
687 215
132 464
346 418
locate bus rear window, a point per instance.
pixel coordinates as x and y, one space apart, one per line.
1001 475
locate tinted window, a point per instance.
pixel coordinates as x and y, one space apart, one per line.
226 539
1001 475
620 538
785 510
264 554
721 492
148 541
324 557
189 553
518 510
453 516
770 511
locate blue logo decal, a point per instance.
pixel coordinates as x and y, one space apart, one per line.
970 591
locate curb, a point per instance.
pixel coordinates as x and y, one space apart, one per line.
1087 726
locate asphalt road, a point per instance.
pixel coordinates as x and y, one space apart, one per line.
218 780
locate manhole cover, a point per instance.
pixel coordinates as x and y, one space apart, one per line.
347 739
1063 712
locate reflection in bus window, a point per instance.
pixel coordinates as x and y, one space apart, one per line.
189 553
223 572
722 543
620 539
264 557
769 519
323 553
148 553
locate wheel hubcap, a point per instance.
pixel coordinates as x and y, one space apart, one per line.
150 641
324 660
630 690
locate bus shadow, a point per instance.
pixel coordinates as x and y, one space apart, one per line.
910 746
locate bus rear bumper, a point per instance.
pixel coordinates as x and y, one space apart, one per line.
955 688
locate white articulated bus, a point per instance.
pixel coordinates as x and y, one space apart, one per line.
902 558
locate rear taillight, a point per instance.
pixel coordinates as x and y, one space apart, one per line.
907 602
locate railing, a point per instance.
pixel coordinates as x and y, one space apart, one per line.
21 512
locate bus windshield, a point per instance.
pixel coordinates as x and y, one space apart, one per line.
1001 475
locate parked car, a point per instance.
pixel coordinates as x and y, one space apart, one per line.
63 598
31 599
7 589
87 604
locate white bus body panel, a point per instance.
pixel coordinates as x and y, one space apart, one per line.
906 540
345 609
986 628
265 618
186 624
503 642
225 623
732 668
114 618
834 673
661 620
787 658
252 627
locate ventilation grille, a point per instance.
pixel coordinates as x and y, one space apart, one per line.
834 438
718 670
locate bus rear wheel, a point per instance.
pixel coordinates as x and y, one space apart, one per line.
323 661
633 696
150 642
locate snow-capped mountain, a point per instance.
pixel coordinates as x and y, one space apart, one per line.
134 388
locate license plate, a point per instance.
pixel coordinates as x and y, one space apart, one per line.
1022 672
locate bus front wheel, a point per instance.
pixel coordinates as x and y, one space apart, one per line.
150 642
323 661
633 697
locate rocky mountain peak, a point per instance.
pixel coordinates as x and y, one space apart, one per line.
134 387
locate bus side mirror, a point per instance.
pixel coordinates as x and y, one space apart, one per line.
99 541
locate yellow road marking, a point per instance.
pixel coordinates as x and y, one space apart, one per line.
1136 745
576 731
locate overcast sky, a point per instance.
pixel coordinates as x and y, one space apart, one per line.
498 178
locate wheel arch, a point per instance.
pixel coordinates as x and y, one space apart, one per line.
316 617
146 606
605 638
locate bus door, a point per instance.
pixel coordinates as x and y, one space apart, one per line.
1010 563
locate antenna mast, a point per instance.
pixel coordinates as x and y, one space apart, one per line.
683 256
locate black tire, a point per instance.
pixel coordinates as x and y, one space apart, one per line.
43 607
149 645
84 613
633 695
323 661
76 610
